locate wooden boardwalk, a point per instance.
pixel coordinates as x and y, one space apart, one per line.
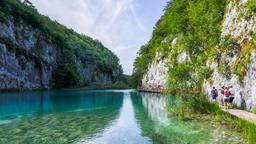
151 91
251 117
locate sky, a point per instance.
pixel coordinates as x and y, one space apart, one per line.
121 25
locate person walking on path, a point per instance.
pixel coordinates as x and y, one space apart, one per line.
222 95
231 98
214 93
227 98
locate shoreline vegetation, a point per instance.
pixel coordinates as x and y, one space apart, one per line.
199 107
196 107
91 86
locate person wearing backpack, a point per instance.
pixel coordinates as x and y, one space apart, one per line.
231 96
226 98
214 93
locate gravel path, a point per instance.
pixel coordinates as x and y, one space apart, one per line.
242 114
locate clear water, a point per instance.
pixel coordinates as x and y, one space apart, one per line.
99 117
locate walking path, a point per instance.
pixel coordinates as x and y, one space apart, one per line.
251 117
152 91
242 114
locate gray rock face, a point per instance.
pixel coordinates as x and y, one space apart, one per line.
34 71
156 77
157 73
17 71
237 23
90 74
245 94
239 26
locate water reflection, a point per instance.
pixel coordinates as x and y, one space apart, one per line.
14 104
155 105
124 130
151 115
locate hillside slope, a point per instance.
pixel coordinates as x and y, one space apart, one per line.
200 44
38 53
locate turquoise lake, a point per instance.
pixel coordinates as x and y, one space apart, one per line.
100 117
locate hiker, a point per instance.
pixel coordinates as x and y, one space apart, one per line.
214 93
226 98
222 95
231 96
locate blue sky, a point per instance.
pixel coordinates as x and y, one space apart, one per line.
121 25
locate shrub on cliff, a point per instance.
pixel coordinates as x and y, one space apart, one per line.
65 76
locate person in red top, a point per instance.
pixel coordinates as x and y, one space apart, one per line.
227 98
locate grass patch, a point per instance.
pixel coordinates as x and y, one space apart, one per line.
247 129
186 106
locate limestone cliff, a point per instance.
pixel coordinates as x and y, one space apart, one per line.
32 51
232 60
240 26
156 77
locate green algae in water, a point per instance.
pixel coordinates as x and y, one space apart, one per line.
174 131
56 128
101 117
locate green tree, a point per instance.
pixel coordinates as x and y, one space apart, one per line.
65 76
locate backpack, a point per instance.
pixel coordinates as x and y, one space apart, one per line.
214 94
227 93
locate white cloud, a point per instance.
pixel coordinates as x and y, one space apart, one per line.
114 22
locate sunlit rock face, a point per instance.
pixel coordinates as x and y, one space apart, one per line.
240 26
156 77
237 23
156 105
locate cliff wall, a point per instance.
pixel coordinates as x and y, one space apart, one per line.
37 53
231 61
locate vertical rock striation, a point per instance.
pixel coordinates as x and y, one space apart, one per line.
240 26
28 59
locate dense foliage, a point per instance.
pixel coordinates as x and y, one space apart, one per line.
251 6
197 26
72 46
65 75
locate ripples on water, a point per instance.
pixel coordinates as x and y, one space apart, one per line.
99 117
